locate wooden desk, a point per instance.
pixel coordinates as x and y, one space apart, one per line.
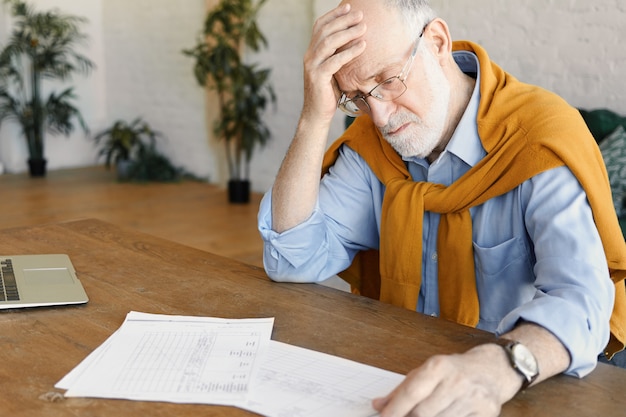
123 270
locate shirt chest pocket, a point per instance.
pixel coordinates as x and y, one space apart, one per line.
504 278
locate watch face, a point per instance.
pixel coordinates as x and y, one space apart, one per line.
524 360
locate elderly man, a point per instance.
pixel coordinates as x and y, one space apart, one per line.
485 198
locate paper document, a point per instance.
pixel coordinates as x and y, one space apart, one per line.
225 362
299 382
173 358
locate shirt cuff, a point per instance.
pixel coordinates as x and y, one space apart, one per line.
294 245
563 320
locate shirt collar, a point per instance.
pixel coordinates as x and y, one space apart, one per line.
465 142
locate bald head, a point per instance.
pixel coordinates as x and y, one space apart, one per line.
414 14
384 24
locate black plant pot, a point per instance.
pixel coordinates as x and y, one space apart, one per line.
239 191
37 167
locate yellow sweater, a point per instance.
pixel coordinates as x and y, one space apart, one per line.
525 130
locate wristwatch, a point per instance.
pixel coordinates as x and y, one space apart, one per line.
522 360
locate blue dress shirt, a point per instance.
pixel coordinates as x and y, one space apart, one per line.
538 254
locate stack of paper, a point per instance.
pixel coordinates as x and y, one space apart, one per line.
227 362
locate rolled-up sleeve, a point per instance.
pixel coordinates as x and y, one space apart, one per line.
299 254
574 293
344 221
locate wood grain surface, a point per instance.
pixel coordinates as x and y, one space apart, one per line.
123 270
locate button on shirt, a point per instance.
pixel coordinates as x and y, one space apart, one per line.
538 255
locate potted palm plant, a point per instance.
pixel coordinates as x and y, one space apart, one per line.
41 47
243 90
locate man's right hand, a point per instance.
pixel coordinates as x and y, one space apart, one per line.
336 40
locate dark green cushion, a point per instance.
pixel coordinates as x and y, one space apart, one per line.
613 149
602 122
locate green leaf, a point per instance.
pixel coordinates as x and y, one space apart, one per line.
41 46
243 90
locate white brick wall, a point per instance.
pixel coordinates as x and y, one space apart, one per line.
147 75
141 72
572 47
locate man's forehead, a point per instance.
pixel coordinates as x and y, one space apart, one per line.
379 57
386 40
385 26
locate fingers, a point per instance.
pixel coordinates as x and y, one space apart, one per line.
331 15
443 386
417 386
336 40
336 36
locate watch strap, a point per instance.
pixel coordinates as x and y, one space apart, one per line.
508 345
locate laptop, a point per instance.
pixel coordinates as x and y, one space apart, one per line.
39 280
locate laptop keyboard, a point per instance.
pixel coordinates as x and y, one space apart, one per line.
8 289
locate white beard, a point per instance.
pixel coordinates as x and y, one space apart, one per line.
422 136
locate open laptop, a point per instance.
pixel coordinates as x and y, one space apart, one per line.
39 280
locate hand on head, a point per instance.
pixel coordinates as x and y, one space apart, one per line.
336 40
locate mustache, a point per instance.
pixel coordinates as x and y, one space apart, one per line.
397 120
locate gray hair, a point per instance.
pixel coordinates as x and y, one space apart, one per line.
415 13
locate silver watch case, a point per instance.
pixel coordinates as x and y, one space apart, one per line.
522 360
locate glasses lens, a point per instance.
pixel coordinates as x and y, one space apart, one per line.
352 107
388 90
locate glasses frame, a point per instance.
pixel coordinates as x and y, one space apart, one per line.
344 101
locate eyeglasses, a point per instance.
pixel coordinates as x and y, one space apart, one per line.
388 90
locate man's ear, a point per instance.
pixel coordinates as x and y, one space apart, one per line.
439 38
